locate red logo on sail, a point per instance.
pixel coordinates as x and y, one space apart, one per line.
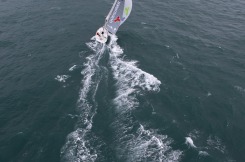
117 19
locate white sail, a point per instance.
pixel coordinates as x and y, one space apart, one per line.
119 12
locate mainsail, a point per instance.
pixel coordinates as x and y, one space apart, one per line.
119 12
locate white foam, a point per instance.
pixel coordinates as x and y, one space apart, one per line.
212 144
130 79
72 116
128 74
73 67
240 89
177 56
142 144
154 146
209 94
203 153
189 142
133 141
62 78
77 148
78 144
167 46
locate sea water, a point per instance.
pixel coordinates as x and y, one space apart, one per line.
169 87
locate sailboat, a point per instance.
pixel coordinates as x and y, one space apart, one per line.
118 14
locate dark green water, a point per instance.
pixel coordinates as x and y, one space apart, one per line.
189 81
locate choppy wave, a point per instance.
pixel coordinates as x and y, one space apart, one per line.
240 89
133 141
73 68
215 143
210 145
62 78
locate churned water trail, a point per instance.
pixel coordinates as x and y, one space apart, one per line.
79 145
133 142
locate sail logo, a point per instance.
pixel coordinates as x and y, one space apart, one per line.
115 11
126 10
117 19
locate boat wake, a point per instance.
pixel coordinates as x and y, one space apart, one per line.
79 145
131 140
